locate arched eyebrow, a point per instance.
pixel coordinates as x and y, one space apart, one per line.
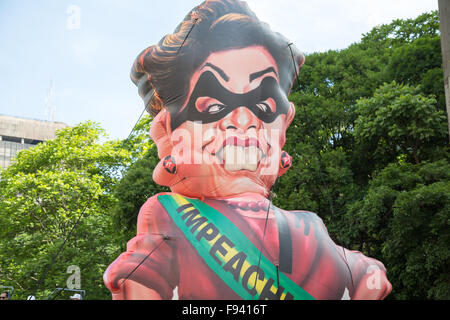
219 71
258 74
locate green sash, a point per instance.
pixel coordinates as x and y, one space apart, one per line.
229 253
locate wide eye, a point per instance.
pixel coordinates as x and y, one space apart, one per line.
263 106
268 105
209 105
215 108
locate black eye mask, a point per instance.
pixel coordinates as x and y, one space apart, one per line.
209 86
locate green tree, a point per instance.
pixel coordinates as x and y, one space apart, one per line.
43 194
361 112
401 31
399 121
132 191
138 142
404 220
419 63
137 184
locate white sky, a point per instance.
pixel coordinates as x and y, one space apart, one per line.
90 66
320 25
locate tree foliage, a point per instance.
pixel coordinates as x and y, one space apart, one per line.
404 219
43 194
370 155
370 149
134 189
399 120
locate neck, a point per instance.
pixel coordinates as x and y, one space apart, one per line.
246 196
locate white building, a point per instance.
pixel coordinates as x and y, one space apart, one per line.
20 133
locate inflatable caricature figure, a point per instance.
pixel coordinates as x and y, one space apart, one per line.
218 90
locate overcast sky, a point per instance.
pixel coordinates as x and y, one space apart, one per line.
55 66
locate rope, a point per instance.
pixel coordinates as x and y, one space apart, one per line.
90 199
264 234
63 244
193 25
165 238
55 257
320 168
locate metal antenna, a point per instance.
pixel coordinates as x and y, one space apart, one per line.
49 102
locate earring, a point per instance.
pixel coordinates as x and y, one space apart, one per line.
170 165
286 160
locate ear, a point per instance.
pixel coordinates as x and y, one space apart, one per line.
159 134
285 163
290 115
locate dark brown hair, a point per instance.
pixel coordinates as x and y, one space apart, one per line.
162 72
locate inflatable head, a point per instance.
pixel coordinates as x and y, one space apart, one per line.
218 90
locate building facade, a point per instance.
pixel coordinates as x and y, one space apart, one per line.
20 133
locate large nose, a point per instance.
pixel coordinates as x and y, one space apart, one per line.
241 118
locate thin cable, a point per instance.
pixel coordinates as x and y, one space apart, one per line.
309 134
54 297
193 25
264 234
63 244
348 267
41 280
165 238
293 61
320 169
278 275
84 210
139 119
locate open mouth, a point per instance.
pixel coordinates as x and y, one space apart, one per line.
240 154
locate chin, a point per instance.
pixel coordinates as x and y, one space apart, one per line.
214 181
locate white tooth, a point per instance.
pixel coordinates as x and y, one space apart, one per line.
252 155
240 157
247 155
251 167
225 154
219 156
229 155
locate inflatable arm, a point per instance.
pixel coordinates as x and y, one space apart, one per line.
144 271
